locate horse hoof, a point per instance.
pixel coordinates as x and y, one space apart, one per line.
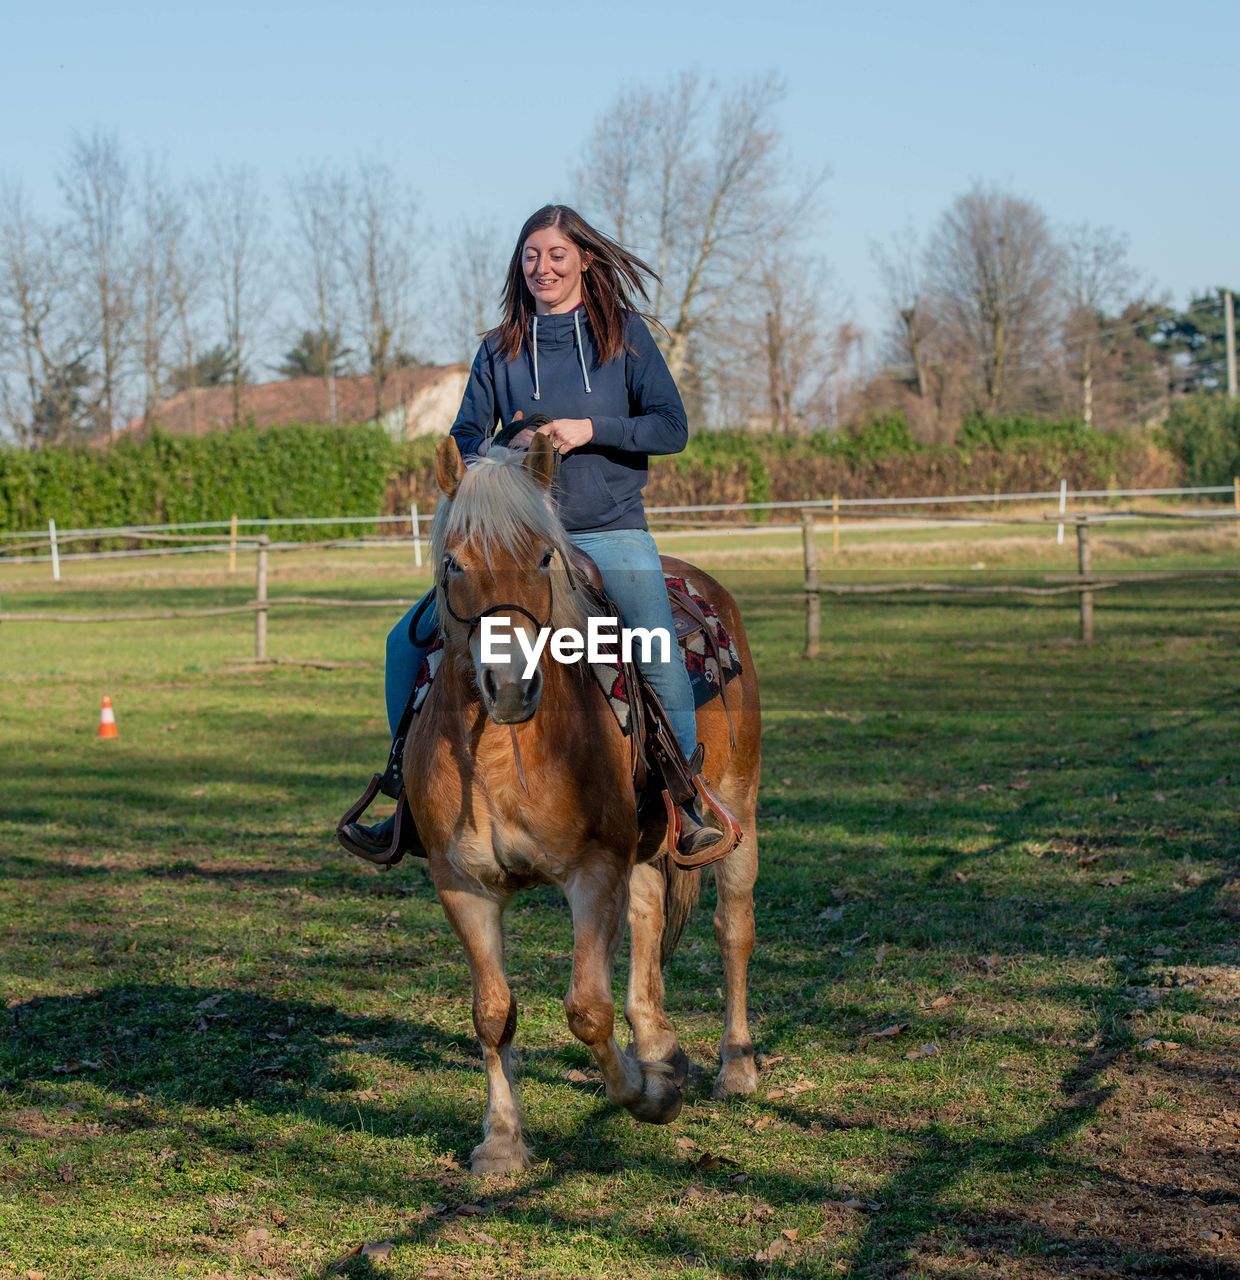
659 1102
500 1156
679 1065
739 1076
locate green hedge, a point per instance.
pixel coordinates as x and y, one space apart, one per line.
981 432
879 458
287 471
357 471
760 462
1204 433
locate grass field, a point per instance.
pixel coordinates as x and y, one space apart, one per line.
229 1051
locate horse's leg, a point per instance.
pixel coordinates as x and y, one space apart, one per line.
734 880
598 894
653 1035
478 922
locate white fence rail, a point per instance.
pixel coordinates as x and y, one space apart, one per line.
1085 583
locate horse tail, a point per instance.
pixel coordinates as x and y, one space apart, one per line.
681 890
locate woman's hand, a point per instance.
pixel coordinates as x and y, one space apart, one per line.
567 434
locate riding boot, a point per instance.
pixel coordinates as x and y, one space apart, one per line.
695 836
697 843
384 843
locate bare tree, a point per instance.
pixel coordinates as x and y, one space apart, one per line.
185 288
900 268
320 200
799 353
235 220
692 176
96 188
1096 280
160 270
621 155
478 261
782 354
993 271
44 376
381 260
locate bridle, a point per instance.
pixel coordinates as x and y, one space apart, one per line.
474 619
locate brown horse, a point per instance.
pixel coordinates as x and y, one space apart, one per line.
526 781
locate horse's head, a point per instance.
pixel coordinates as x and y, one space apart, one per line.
502 562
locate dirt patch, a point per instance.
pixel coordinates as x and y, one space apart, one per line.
1158 1193
1216 983
29 1123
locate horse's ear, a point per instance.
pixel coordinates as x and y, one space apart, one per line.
540 460
449 466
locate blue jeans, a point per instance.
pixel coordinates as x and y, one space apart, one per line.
628 559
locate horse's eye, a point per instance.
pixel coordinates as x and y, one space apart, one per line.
547 557
452 565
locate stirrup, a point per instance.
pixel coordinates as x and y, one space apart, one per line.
707 803
401 830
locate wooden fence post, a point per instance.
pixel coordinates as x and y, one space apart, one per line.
813 602
416 528
232 544
1085 565
835 524
260 598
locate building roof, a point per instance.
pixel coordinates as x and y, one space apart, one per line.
207 409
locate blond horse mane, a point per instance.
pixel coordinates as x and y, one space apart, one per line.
500 507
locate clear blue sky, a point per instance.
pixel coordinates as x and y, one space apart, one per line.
1121 114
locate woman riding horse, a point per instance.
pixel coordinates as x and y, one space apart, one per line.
572 348
525 777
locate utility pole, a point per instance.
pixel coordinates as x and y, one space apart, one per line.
1229 323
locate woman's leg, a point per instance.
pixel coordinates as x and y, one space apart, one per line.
404 659
628 559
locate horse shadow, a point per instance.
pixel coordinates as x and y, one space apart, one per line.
204 1051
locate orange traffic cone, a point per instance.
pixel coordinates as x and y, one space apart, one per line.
107 720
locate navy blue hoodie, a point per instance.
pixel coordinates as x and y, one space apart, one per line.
632 402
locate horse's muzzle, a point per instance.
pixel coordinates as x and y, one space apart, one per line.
510 701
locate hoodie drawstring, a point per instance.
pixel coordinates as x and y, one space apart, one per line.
581 355
581 351
536 395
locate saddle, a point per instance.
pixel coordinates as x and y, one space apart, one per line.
660 770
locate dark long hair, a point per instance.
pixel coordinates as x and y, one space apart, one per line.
609 288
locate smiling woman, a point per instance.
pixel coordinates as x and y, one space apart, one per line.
573 349
553 265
